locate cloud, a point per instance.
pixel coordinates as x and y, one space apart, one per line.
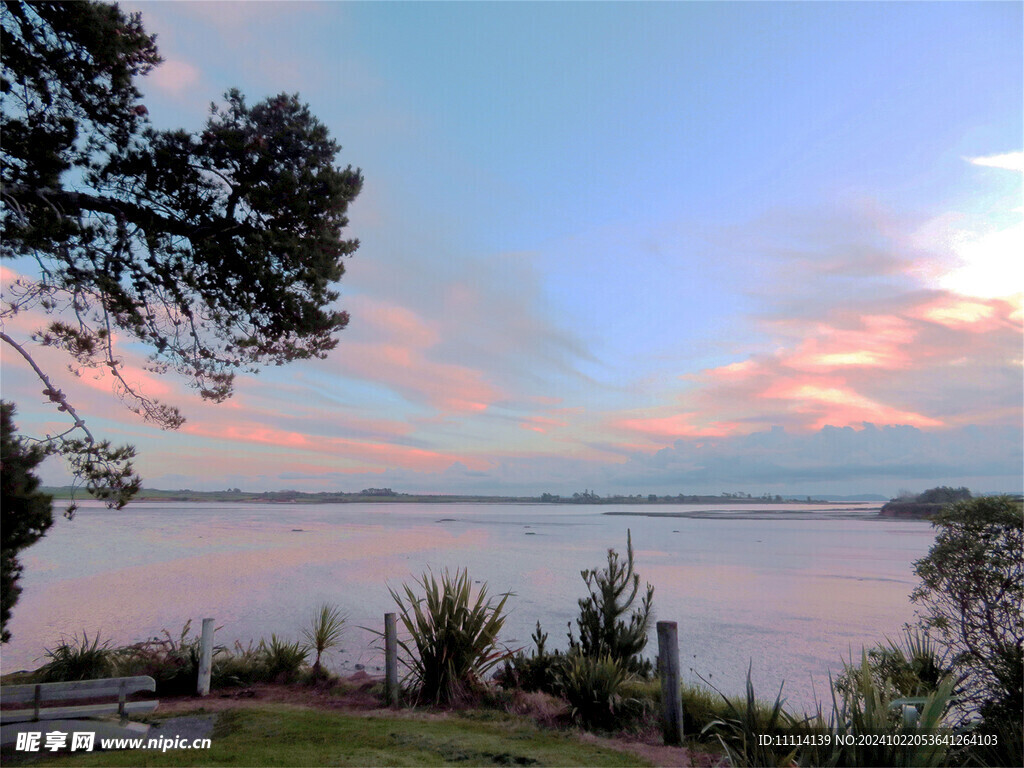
936 360
1010 161
394 347
175 76
845 459
362 454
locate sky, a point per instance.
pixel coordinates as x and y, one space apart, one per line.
627 247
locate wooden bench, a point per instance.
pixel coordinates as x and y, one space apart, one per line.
95 699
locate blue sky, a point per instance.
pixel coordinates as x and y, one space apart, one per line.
613 245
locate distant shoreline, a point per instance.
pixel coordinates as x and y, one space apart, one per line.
66 493
760 514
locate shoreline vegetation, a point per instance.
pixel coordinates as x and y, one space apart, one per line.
948 693
388 496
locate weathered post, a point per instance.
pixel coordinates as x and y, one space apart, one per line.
668 668
205 659
391 659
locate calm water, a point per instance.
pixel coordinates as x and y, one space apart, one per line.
791 590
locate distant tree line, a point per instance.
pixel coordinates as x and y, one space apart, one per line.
590 497
925 504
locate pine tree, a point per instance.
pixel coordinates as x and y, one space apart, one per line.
25 512
602 623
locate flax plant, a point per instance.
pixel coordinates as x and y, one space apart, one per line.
915 742
79 659
741 727
452 639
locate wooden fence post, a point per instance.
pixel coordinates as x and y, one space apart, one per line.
205 659
391 659
668 668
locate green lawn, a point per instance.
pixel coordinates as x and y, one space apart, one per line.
280 735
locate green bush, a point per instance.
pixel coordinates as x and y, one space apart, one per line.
172 663
602 625
871 709
914 668
970 595
284 660
593 687
453 639
242 666
700 707
740 727
536 672
79 659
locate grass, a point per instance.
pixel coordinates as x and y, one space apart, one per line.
287 736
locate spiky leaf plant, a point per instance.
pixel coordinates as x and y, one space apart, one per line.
872 711
741 728
324 632
593 686
79 659
284 659
452 636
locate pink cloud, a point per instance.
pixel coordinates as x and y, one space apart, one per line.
831 402
7 275
174 76
395 323
393 346
905 366
542 424
368 453
673 426
879 342
142 381
964 313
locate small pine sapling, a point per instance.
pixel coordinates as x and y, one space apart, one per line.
602 623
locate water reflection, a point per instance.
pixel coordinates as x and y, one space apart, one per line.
791 594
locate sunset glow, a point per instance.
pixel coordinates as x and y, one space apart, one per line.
723 235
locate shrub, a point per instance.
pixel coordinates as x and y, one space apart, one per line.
324 632
871 710
173 664
536 672
700 707
593 687
452 637
914 668
971 591
740 727
284 660
603 631
79 660
242 666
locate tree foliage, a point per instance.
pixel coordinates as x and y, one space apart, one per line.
25 513
609 624
971 592
943 494
217 249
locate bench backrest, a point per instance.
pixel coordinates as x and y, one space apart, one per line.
40 694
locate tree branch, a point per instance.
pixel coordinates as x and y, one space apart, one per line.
63 201
55 395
